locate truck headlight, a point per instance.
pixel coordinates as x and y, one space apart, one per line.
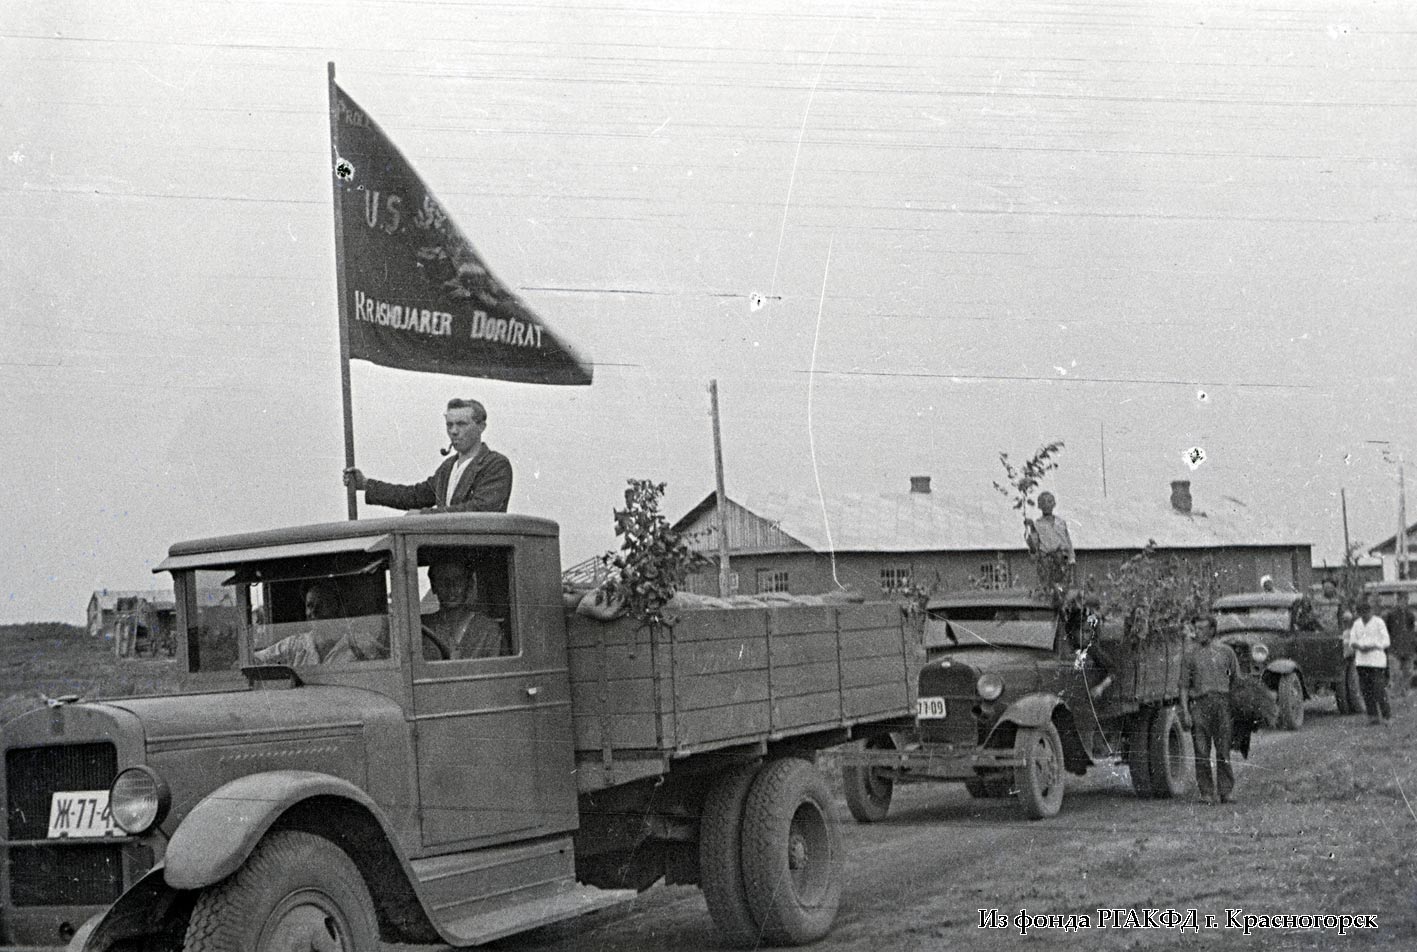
139 800
1259 653
989 686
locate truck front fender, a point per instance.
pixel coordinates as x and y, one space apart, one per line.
1034 710
217 836
149 906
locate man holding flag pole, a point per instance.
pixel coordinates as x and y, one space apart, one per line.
415 295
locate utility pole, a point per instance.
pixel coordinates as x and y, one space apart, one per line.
721 496
1401 520
1102 438
1347 546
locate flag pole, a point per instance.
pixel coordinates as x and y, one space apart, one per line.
351 499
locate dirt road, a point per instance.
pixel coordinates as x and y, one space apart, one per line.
1323 825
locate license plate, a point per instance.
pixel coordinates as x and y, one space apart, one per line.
930 708
81 813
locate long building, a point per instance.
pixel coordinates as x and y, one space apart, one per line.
874 543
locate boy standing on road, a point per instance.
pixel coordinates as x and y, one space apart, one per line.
1207 675
1369 640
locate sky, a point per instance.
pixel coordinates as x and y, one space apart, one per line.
1138 226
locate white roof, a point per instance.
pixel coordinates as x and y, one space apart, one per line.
932 522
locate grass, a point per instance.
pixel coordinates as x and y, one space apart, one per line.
51 659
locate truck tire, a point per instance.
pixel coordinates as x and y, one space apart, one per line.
868 789
792 853
1291 702
297 891
721 858
1040 778
989 786
1139 752
1168 753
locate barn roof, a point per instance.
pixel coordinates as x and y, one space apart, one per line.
936 522
107 598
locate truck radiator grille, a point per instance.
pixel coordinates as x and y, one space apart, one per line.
33 774
63 874
956 685
66 875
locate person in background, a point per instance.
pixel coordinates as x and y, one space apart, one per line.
475 478
1050 545
1402 632
1266 583
1208 674
1369 640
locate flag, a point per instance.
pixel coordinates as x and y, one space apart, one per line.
417 295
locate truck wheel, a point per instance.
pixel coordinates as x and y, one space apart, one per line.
1167 754
721 858
1291 703
792 853
868 789
297 892
1139 752
1040 778
989 786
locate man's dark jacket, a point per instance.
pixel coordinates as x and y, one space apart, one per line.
486 485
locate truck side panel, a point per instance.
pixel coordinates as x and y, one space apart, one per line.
726 677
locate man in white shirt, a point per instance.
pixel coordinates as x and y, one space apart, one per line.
1369 640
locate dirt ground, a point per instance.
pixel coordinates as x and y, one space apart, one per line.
1323 824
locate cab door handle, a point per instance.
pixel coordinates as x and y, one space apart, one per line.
533 691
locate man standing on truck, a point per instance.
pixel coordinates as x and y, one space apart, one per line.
1052 548
1208 674
475 478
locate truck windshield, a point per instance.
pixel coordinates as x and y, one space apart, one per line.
302 612
1012 627
1252 619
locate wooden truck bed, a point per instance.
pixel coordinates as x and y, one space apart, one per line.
719 678
1148 671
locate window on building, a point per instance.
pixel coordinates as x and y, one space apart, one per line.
772 580
895 577
994 575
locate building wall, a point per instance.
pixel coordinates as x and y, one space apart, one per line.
809 573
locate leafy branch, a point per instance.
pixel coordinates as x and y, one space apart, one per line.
1022 481
654 560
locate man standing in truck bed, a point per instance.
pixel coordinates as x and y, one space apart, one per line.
476 479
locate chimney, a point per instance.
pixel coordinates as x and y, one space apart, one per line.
1181 495
920 484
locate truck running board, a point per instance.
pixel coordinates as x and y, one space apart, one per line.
553 903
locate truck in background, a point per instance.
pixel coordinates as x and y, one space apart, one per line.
1009 704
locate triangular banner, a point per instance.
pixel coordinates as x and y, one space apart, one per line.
417 295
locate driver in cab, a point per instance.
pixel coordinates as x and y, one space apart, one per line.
461 627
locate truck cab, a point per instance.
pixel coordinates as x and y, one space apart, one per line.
1293 644
328 695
